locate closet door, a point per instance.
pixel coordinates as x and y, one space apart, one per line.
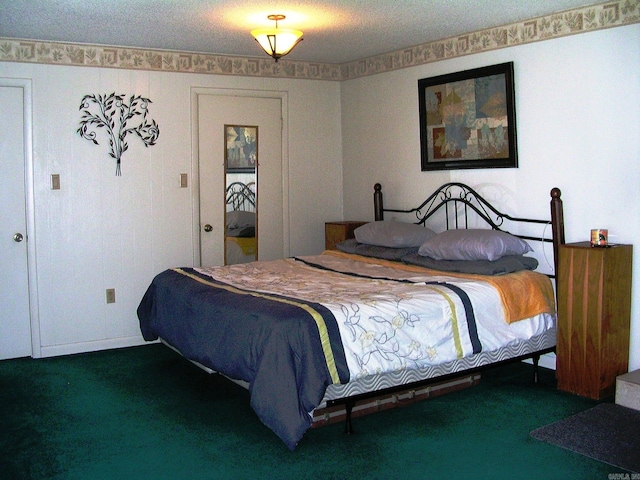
15 321
214 112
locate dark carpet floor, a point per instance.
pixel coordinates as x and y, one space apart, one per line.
145 412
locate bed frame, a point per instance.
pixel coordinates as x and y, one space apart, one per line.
457 205
241 197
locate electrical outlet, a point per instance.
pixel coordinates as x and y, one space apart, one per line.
111 295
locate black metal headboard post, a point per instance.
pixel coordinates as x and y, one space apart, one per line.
377 202
557 225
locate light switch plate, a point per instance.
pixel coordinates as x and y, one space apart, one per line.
55 181
111 295
184 180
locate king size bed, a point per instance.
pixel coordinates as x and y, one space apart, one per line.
400 305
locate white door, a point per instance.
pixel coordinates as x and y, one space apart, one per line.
15 324
214 111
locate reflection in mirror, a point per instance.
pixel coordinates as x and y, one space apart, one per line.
241 160
240 219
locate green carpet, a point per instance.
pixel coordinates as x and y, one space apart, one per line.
145 412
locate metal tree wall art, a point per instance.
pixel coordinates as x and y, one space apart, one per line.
118 119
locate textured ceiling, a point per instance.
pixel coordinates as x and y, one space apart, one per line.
335 31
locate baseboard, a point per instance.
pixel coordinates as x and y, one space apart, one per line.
93 346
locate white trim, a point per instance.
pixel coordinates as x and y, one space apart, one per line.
195 179
92 346
27 102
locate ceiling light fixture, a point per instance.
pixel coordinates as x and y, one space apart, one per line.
277 42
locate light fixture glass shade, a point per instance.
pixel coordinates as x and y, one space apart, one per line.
277 42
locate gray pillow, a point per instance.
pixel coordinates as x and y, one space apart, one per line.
385 253
240 219
506 264
393 234
473 244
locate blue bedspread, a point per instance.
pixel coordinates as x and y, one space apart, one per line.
288 351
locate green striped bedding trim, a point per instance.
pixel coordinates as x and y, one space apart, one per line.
454 320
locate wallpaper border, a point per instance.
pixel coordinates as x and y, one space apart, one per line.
571 22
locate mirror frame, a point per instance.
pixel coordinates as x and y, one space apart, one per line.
241 161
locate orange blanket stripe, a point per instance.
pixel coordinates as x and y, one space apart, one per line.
524 294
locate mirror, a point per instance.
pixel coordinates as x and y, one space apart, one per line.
241 194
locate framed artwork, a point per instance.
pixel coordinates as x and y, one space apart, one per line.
240 148
468 119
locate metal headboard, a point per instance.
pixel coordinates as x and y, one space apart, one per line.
241 197
459 200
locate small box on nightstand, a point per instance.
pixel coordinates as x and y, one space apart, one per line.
336 232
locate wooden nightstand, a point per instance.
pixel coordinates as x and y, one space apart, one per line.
336 232
594 310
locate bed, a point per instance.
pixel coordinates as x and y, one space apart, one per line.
240 223
310 332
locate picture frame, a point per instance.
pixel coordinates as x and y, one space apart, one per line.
468 119
240 148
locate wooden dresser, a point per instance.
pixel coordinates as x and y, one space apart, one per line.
336 232
594 309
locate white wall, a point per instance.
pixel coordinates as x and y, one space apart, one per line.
578 111
578 118
100 231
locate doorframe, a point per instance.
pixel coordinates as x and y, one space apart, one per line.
195 173
27 105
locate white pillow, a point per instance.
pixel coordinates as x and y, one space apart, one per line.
473 244
390 233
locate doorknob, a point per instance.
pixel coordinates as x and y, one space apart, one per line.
208 228
18 237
